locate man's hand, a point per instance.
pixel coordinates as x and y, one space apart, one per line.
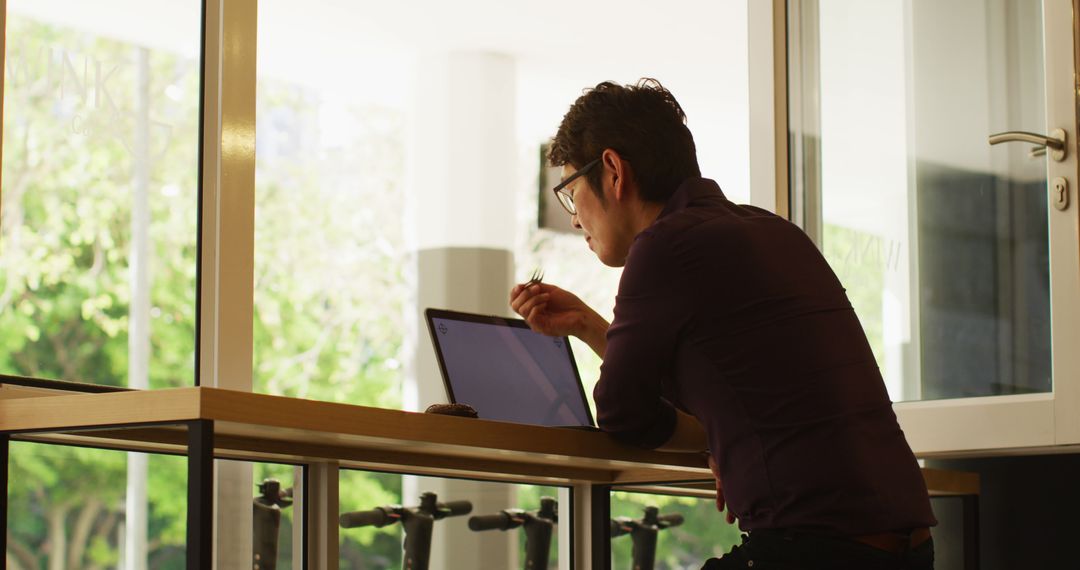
548 309
553 311
720 503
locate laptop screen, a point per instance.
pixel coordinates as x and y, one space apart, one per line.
506 371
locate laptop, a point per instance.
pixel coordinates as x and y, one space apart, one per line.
507 372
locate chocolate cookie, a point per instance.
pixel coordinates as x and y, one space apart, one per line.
463 410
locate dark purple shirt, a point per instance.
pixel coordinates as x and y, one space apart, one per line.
731 314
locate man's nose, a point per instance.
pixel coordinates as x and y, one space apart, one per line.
575 222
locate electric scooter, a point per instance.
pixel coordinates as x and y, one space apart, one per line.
418 522
267 521
644 533
537 525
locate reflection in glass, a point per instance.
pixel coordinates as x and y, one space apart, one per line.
100 174
940 239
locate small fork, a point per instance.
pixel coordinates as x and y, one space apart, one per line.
535 279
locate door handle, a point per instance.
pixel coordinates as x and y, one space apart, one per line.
1055 144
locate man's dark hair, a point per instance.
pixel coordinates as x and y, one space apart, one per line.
643 123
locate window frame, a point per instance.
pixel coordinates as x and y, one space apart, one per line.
994 424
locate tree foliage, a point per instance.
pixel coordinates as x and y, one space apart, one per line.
325 327
64 285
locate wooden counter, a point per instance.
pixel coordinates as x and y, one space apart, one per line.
208 423
271 428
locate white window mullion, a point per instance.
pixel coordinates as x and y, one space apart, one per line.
767 81
1064 244
3 58
228 246
228 194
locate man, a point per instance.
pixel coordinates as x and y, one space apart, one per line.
731 332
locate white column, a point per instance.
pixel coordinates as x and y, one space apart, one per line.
135 507
462 152
459 223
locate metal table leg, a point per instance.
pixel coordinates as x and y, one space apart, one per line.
600 504
590 528
5 439
200 507
971 531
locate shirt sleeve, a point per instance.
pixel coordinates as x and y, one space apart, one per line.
650 315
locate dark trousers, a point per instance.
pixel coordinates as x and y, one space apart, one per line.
787 550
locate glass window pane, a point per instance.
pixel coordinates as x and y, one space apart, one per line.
275 535
387 517
77 507
74 507
369 546
100 182
692 531
330 258
940 239
360 132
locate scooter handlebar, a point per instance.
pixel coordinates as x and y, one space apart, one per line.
621 526
668 521
377 517
455 508
498 521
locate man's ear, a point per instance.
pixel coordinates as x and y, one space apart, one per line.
618 171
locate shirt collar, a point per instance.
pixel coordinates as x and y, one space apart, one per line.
688 192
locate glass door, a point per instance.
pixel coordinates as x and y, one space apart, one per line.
959 255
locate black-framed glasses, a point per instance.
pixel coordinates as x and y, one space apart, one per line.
565 197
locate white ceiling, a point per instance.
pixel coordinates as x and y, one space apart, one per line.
365 50
553 29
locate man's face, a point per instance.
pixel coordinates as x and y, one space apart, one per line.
600 220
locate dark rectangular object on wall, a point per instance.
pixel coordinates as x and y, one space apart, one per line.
551 215
983 284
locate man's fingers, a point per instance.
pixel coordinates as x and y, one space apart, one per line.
535 313
522 295
721 504
518 302
528 306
